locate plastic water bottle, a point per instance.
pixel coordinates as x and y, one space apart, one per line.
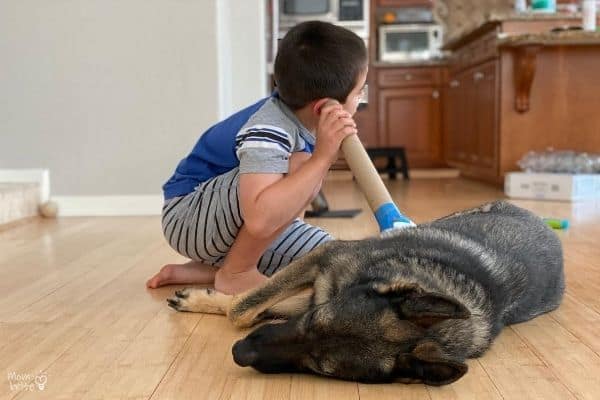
589 15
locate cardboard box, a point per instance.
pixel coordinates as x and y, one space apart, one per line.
548 186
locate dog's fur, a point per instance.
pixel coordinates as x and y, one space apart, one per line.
410 307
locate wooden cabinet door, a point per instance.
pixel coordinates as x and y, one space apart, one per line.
454 117
486 114
471 120
468 137
460 113
410 117
366 115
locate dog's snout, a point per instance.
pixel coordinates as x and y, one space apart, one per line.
243 354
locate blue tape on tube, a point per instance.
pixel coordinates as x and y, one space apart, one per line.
388 217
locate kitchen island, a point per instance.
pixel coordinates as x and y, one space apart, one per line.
513 88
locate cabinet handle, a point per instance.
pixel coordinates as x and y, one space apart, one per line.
454 83
478 76
408 77
435 94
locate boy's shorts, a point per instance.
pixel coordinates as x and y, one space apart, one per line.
203 225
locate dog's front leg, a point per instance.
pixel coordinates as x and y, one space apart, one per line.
201 300
248 308
273 298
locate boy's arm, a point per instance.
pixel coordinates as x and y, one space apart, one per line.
270 201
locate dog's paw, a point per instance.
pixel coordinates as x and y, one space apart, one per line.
179 302
206 301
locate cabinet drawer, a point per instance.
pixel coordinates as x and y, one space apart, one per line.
409 77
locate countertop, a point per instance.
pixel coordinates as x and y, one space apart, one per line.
495 18
528 16
564 38
437 62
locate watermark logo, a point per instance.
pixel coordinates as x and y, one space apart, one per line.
27 382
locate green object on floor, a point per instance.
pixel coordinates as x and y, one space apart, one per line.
543 5
556 223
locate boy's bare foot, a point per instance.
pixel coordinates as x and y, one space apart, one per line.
174 274
238 282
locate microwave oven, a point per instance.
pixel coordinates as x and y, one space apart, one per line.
398 43
351 14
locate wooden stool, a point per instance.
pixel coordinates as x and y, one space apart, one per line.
392 153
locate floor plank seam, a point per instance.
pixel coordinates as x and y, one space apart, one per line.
548 365
575 335
58 357
176 357
498 391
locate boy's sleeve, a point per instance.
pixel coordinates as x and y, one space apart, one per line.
264 149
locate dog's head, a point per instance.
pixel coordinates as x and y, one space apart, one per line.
370 333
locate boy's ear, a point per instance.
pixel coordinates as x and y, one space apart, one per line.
321 103
423 308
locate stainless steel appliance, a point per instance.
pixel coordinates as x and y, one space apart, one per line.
409 42
351 14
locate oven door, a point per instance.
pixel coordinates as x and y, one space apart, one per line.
353 11
406 42
292 12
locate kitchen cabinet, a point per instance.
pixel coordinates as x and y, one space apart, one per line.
366 115
404 110
484 81
471 119
507 95
409 112
410 118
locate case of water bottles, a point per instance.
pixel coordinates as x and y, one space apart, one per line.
555 175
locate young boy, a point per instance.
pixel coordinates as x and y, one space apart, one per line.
234 202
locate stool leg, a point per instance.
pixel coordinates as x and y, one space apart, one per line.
391 167
402 156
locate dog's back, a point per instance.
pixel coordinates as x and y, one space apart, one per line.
525 276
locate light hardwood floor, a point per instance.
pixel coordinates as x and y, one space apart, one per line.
75 310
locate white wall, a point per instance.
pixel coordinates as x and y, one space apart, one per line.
243 50
110 94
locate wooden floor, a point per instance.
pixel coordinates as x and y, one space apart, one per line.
74 310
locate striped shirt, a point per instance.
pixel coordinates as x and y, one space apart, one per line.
257 139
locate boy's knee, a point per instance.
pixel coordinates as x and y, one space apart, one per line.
258 229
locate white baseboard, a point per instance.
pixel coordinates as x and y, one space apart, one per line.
104 206
39 176
89 206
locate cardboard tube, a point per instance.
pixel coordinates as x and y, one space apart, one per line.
366 175
386 213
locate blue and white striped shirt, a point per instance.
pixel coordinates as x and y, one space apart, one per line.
257 139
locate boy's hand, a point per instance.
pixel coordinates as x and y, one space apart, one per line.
335 124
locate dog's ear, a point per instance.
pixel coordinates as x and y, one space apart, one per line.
427 364
423 308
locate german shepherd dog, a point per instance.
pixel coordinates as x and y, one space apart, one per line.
410 307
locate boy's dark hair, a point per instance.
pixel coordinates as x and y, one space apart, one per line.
316 60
